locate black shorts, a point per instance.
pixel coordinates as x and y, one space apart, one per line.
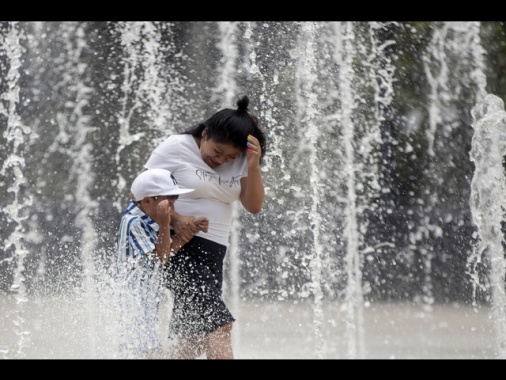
195 277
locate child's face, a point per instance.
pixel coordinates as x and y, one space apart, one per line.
158 208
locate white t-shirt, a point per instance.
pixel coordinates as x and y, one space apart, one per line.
215 189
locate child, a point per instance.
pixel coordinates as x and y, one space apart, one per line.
144 246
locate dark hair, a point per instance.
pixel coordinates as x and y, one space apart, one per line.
229 126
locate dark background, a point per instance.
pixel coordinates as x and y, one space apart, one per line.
368 169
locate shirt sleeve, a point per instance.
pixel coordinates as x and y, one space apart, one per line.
164 156
140 240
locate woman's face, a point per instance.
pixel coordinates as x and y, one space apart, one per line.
214 154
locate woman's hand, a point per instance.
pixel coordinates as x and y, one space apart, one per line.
253 152
187 226
252 187
202 223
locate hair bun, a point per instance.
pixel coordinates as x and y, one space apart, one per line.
242 104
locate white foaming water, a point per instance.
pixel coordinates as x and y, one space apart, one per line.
145 89
455 50
311 119
16 135
488 203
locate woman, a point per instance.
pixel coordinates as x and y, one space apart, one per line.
220 158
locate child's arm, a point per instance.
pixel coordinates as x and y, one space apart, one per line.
165 245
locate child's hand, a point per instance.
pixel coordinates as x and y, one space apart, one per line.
163 212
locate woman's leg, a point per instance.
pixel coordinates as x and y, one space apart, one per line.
219 343
186 348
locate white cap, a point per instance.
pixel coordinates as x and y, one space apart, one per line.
154 182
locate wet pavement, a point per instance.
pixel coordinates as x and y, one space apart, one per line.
64 328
